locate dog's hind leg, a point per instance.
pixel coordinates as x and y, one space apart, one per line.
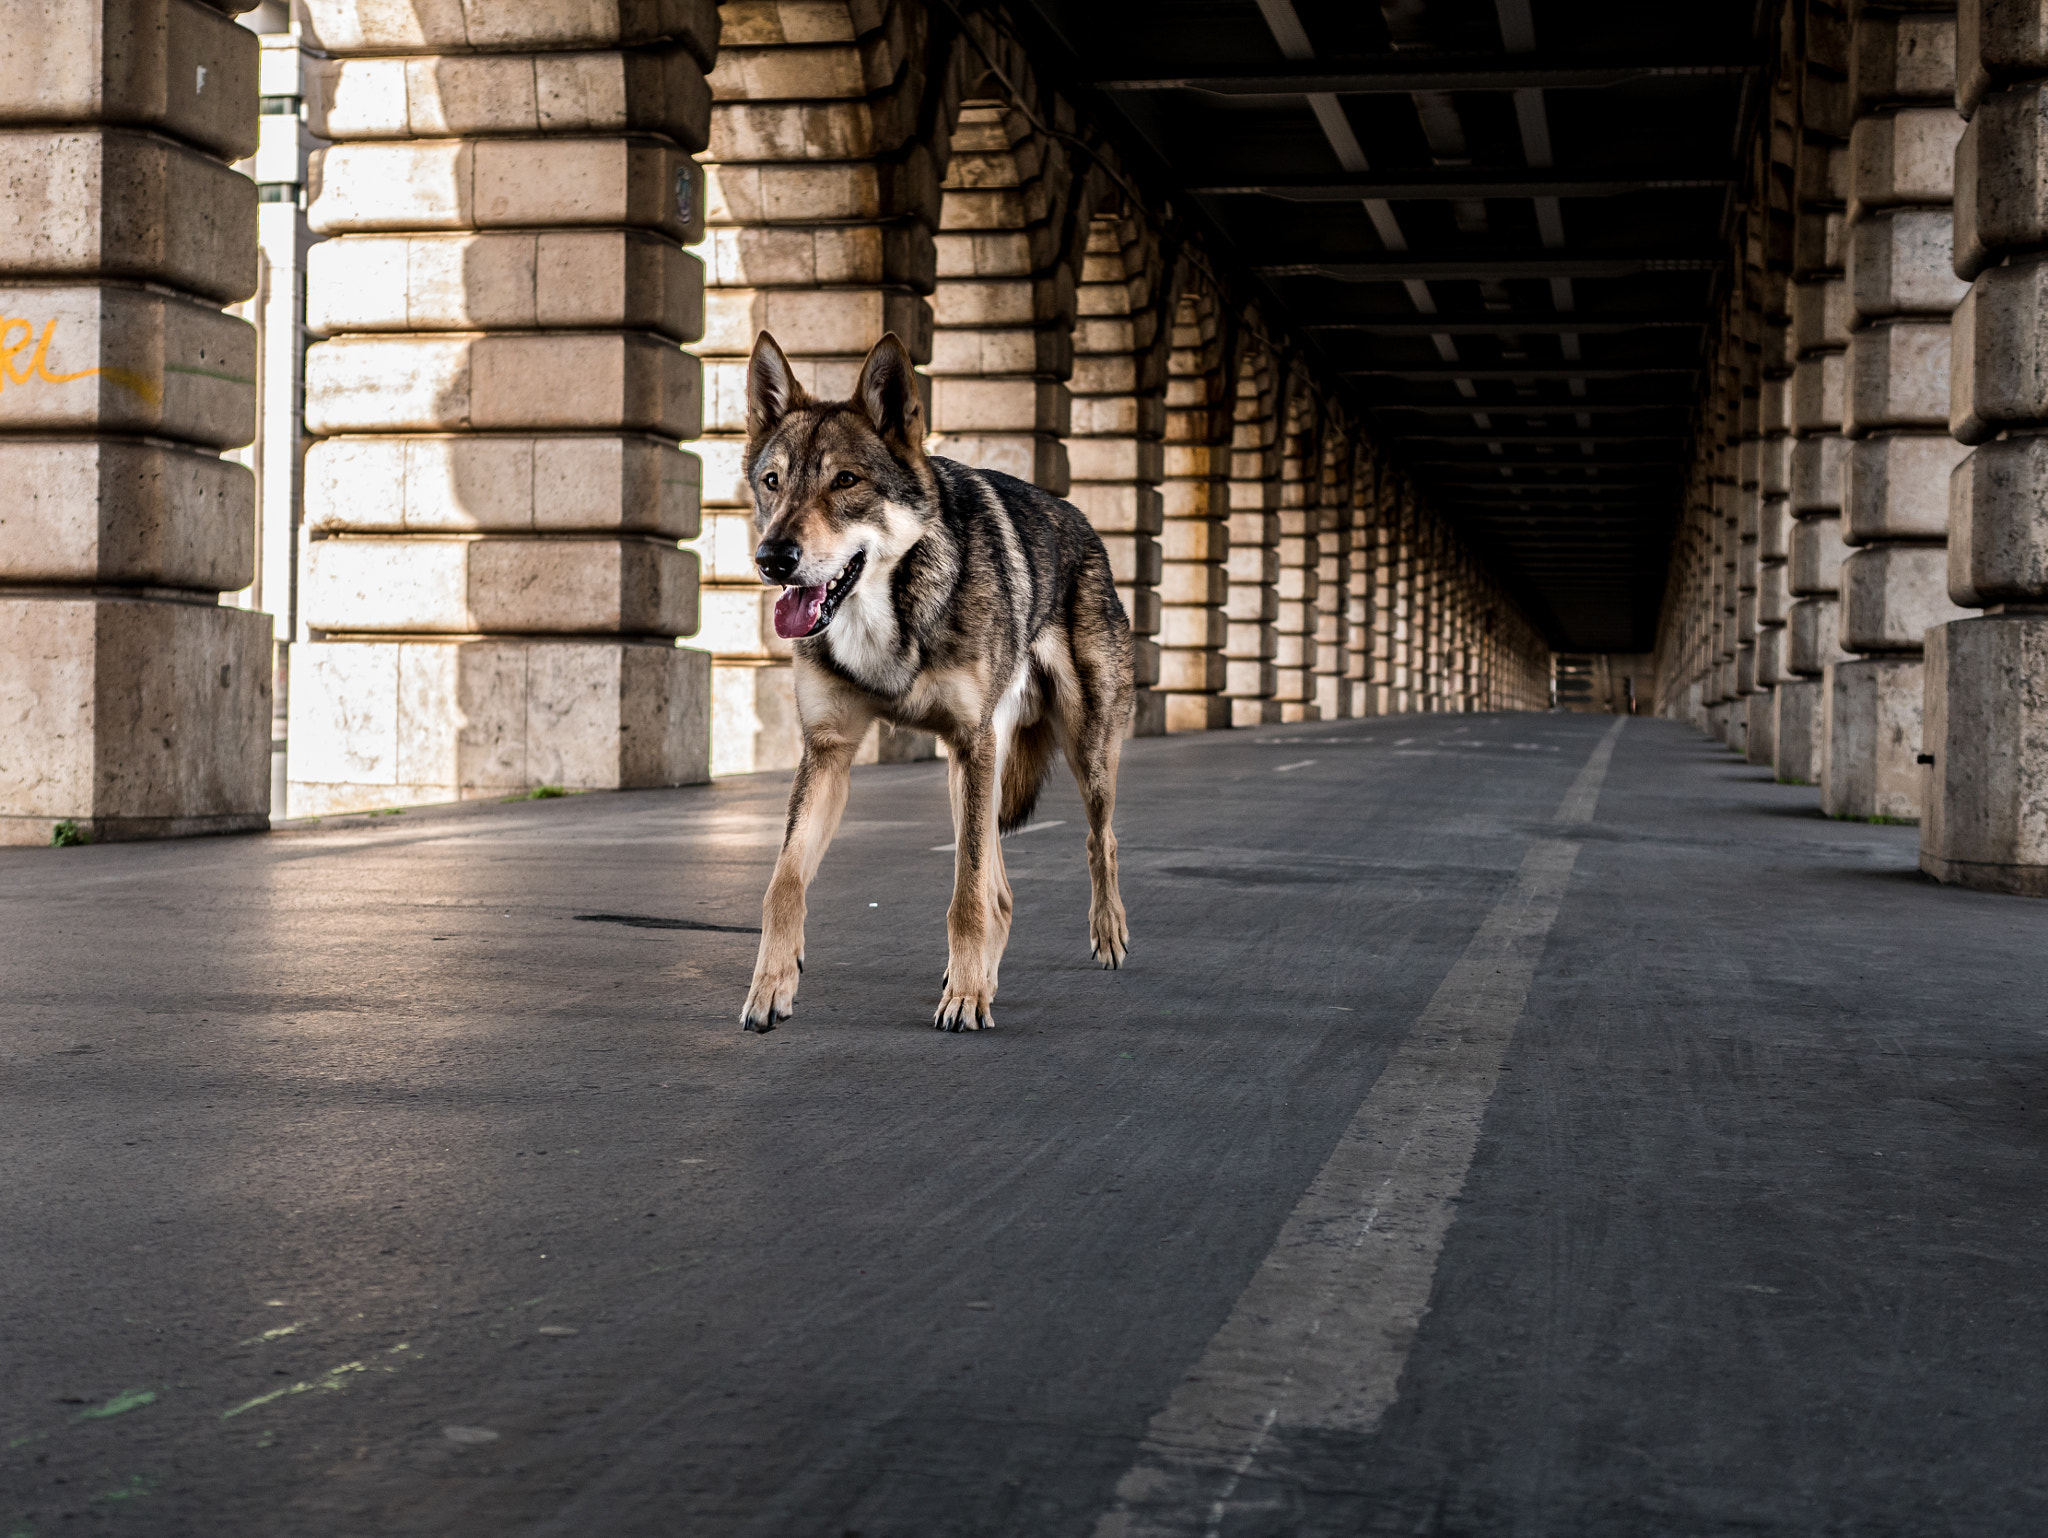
817 799
1093 714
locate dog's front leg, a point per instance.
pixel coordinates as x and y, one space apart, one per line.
970 979
816 801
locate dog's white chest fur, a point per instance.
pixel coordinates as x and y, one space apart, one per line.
862 637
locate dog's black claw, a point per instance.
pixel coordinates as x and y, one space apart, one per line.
757 1027
799 966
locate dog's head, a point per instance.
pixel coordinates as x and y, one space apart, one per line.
841 488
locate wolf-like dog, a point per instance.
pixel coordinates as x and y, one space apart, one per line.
956 601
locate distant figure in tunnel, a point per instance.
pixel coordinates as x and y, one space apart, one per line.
951 600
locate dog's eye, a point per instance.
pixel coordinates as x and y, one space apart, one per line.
844 479
771 481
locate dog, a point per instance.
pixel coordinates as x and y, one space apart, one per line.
956 601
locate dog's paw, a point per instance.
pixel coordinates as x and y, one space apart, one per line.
772 999
1109 937
964 1012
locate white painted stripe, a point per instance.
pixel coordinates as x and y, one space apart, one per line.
1057 822
1287 768
1319 1337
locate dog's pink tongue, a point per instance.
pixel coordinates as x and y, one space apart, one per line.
797 610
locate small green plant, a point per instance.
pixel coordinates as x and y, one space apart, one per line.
68 833
539 793
1784 780
387 811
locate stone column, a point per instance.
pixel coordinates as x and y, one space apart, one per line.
1745 454
494 585
1428 616
1251 641
1333 571
1405 672
1115 452
1819 309
1774 537
1385 594
1895 409
1003 313
1985 821
822 202
132 703
1300 547
1195 538
1368 480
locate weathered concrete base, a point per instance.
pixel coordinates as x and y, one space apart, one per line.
1762 744
132 717
1293 711
1796 731
398 723
1871 739
1196 712
1255 713
1333 698
1985 821
1735 727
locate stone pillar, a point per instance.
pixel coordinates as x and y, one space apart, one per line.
1774 538
1115 452
1405 672
1746 457
132 703
1429 618
1300 547
1003 314
822 201
1819 311
1367 486
1385 592
1334 511
1895 409
1985 821
1251 640
1195 538
494 585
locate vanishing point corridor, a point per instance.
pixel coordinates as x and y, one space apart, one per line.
1573 480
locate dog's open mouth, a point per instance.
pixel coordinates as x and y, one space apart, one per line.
805 611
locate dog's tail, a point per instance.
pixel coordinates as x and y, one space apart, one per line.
1024 770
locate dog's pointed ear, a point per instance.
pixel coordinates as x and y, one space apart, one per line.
888 389
772 390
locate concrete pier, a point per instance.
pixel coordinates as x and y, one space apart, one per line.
132 704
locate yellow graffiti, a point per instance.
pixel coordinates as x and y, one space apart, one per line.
38 365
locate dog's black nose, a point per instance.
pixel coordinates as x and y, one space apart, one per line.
779 559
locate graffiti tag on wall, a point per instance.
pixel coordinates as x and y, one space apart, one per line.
17 335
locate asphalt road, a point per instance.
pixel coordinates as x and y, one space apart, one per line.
360 1182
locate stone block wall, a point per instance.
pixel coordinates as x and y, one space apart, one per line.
494 586
1251 638
132 703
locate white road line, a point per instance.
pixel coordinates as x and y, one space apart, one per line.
1057 822
1284 768
1319 1337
